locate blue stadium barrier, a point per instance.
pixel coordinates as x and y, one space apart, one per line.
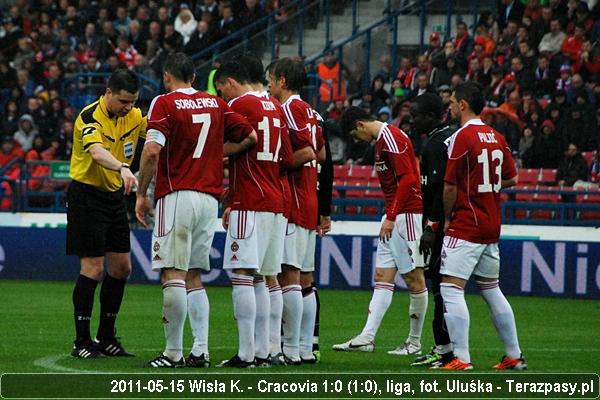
530 267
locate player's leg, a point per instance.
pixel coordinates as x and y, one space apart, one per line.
86 230
111 297
269 301
261 325
198 306
289 280
309 300
404 246
316 349
241 257
171 250
309 314
83 302
380 302
118 262
486 275
459 259
198 310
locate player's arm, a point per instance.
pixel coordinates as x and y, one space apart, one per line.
450 193
509 169
325 189
148 165
239 134
302 156
232 148
91 138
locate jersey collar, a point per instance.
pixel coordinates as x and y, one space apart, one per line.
188 90
104 109
293 97
474 121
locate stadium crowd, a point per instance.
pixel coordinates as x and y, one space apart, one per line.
539 64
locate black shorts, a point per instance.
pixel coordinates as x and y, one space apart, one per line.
96 221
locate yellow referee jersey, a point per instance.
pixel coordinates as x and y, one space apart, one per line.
119 136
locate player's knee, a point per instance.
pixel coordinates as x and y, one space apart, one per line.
386 275
415 279
306 279
92 268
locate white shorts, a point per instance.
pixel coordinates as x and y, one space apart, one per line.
299 248
462 259
183 230
255 241
402 249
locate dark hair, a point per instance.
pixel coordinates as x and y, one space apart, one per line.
123 79
472 94
351 116
232 69
292 70
254 67
463 23
181 66
430 103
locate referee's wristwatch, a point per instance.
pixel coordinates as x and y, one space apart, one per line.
124 165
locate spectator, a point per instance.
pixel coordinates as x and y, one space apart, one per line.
385 68
122 20
379 96
564 81
463 42
10 118
125 52
208 6
137 37
588 62
525 144
547 149
336 108
572 167
594 176
435 50
578 88
571 46
201 39
26 132
329 73
185 23
339 145
406 72
510 10
488 20
228 24
578 128
544 84
384 114
582 18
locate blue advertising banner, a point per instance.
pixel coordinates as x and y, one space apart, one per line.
529 267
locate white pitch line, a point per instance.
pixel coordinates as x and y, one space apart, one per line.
50 362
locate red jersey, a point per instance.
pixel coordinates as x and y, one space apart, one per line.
255 182
478 160
304 131
398 173
192 127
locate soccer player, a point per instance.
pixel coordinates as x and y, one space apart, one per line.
286 79
184 150
397 249
479 165
253 216
427 112
256 76
104 139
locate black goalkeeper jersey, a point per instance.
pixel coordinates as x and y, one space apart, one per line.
434 156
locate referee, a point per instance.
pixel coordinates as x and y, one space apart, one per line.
427 113
104 139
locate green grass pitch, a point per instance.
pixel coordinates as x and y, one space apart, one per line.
557 335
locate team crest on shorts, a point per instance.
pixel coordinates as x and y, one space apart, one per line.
235 247
410 252
443 253
156 246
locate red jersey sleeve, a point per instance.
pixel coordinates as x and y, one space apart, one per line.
509 170
403 168
237 127
456 151
157 116
286 154
300 136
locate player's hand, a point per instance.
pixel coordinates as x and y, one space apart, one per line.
225 220
143 207
385 233
324 225
426 242
129 180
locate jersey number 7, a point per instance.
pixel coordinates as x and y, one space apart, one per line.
203 119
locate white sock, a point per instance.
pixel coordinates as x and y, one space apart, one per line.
198 311
291 320
276 300
457 319
380 302
307 328
263 311
416 312
503 317
174 310
244 311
